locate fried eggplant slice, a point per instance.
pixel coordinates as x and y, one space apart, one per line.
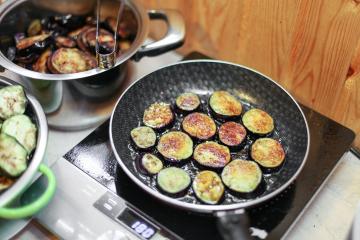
208 187
211 154
13 157
29 41
158 115
175 146
232 134
34 28
143 137
41 64
69 60
188 102
151 163
242 176
267 152
258 122
22 129
173 180
12 101
225 105
199 125
65 42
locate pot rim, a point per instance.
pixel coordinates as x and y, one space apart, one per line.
143 29
42 135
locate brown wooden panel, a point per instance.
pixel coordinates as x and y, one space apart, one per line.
311 47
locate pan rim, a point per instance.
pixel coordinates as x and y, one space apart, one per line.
202 207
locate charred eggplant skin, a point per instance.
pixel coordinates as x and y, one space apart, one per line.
268 153
211 154
242 176
175 146
158 115
144 138
173 181
258 122
199 126
225 106
208 187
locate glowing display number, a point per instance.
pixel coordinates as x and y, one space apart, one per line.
143 229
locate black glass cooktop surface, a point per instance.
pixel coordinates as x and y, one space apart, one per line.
329 141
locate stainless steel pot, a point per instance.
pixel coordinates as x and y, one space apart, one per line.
95 84
35 112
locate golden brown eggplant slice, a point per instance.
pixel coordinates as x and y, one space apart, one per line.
225 105
175 146
232 134
211 154
208 187
267 152
41 64
158 115
258 122
199 125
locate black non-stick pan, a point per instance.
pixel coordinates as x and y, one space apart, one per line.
204 77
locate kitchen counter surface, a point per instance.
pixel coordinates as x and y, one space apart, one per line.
328 216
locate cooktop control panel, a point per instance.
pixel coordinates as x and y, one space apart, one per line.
131 218
84 209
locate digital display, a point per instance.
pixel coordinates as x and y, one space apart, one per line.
138 224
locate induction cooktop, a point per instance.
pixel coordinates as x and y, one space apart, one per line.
270 220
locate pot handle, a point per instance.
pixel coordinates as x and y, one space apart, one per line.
38 204
233 225
173 39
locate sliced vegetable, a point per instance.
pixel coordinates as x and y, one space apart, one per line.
70 60
258 121
27 42
143 137
188 102
151 163
5 183
242 176
232 134
158 115
173 180
267 152
75 33
13 157
65 42
175 146
22 129
12 101
225 105
208 187
212 154
199 125
41 64
34 28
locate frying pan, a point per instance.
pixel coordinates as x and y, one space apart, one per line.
203 77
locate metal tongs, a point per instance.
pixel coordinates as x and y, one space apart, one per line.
106 59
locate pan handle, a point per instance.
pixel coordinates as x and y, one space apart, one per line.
173 39
233 224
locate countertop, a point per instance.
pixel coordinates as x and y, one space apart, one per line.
328 216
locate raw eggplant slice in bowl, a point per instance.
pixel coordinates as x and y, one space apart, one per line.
23 140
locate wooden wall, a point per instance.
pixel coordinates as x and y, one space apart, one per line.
311 47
